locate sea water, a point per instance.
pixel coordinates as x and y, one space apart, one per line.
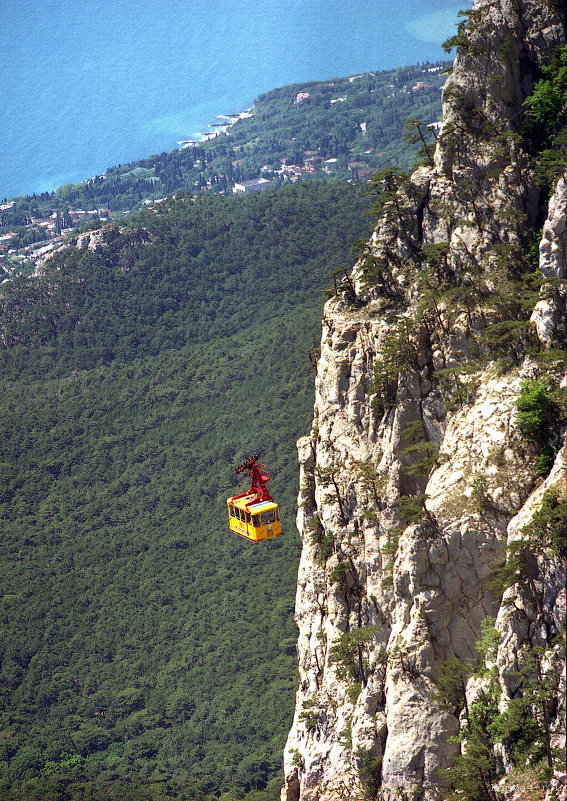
87 85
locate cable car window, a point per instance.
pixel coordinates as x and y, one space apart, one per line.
277 515
248 517
268 517
255 520
231 510
238 512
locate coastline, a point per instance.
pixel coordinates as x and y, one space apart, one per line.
220 127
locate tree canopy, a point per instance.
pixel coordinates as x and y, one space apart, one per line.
145 650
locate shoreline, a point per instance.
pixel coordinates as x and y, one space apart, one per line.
221 127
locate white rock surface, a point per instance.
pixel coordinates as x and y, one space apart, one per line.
424 588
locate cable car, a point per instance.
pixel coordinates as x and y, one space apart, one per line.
253 514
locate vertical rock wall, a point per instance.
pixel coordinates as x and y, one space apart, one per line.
382 604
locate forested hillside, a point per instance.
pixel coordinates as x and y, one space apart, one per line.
146 652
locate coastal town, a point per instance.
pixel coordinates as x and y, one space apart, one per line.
53 227
278 141
56 227
18 259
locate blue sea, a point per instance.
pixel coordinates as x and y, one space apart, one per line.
90 85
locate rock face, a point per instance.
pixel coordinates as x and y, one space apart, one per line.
417 479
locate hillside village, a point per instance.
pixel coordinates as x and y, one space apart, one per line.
342 129
51 228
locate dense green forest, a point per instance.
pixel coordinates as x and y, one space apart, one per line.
357 120
146 653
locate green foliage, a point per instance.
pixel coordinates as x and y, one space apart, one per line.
351 651
520 731
524 725
545 125
27 763
339 575
550 161
309 714
353 691
436 254
423 452
402 656
420 456
330 477
63 764
535 409
451 685
369 771
475 770
534 241
386 187
536 418
479 490
413 508
545 103
415 132
487 646
389 551
547 528
473 773
458 39
137 633
512 569
398 353
544 462
371 480
390 548
464 39
346 734
549 96
455 383
375 270
321 538
507 339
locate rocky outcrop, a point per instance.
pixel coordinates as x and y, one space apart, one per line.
548 313
105 239
417 479
100 240
553 245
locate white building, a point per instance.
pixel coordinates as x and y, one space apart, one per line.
255 185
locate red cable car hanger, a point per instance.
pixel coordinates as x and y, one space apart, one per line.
260 475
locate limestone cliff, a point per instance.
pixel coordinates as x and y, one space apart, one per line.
426 506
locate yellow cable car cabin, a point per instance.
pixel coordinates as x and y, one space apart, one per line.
257 521
253 514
